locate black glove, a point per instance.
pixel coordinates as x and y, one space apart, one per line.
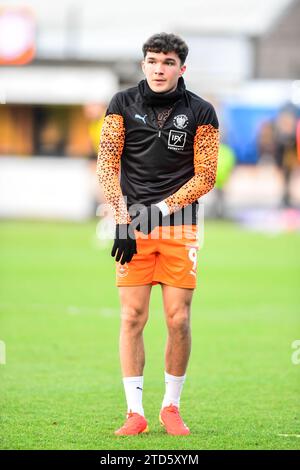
148 218
124 244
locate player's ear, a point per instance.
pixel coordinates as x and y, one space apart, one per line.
143 65
182 69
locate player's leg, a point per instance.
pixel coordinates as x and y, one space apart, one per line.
177 307
134 315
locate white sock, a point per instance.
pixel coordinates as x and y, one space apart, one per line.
134 394
173 390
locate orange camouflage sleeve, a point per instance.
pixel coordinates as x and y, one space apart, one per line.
108 165
206 147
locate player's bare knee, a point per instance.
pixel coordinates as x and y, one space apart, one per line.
178 320
133 319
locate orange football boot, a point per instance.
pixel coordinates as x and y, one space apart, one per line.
134 424
170 418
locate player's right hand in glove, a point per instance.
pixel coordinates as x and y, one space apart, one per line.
124 246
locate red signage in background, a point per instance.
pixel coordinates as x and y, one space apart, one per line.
17 36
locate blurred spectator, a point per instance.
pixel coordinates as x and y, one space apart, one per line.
277 144
94 113
266 143
286 147
49 130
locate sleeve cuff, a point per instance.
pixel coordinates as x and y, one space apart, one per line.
163 207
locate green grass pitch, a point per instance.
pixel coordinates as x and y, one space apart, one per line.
59 319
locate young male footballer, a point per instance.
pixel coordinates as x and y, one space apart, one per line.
163 141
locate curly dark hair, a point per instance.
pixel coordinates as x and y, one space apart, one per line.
164 42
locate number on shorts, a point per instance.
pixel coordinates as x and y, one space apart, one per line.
193 257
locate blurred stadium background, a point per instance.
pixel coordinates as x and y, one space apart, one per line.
60 63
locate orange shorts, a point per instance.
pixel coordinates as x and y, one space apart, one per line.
167 255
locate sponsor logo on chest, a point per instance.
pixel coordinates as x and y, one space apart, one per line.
176 140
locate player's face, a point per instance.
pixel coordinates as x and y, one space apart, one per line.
162 70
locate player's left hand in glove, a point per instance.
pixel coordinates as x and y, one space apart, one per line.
124 246
148 218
